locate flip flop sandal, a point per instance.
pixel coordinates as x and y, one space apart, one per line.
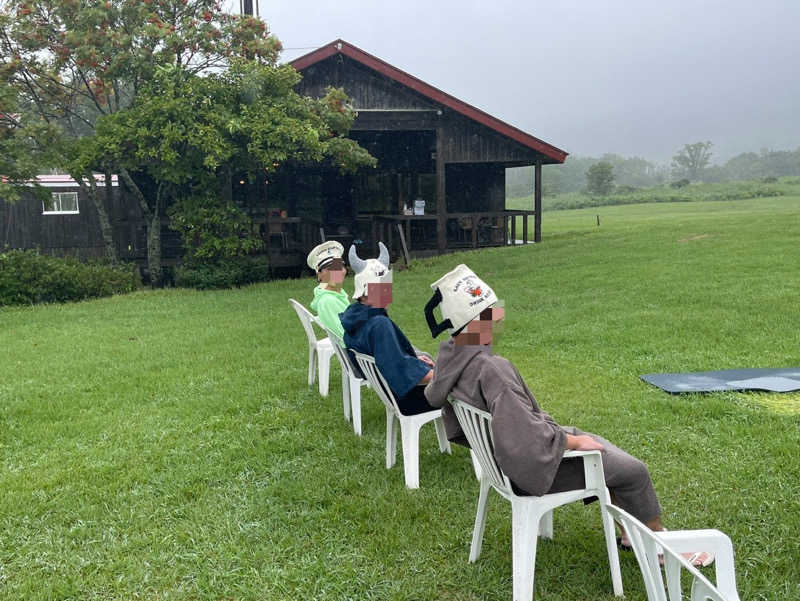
693 560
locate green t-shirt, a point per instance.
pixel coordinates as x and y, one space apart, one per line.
327 304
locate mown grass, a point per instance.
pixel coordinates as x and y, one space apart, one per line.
164 445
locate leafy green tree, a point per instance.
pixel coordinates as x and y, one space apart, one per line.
634 171
600 179
691 160
21 158
70 62
186 134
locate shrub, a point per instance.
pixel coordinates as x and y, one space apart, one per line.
224 273
681 183
28 277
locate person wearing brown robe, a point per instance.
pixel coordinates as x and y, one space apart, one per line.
529 444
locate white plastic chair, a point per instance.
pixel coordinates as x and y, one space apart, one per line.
319 351
531 516
649 545
409 424
351 383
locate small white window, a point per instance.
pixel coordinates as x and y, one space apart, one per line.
61 203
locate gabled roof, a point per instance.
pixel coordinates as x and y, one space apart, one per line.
427 90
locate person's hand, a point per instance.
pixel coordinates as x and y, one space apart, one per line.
426 378
426 360
583 443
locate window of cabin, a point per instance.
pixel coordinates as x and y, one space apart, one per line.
63 203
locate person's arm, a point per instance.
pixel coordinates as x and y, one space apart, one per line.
528 446
402 371
328 313
426 378
583 443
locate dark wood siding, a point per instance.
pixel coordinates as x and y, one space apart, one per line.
24 226
475 187
366 88
384 104
468 142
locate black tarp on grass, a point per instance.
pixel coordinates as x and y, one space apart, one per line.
786 379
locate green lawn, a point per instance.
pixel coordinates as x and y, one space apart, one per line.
164 445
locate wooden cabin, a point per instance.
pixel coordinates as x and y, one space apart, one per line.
430 146
437 156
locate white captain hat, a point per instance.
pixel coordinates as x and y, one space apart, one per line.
323 254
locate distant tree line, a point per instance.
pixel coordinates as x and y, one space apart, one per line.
614 173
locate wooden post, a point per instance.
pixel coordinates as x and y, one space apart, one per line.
441 193
525 229
513 230
403 242
537 203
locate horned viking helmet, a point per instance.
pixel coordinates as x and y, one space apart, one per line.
369 271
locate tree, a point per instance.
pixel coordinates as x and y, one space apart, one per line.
20 156
70 62
600 179
186 134
691 160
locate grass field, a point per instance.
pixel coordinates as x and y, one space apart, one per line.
164 445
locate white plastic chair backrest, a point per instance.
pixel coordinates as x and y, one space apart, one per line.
647 547
339 349
376 381
306 318
477 427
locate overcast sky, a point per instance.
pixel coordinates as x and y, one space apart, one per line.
633 77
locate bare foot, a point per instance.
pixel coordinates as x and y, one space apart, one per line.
701 559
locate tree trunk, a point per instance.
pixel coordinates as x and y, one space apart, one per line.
106 231
105 223
154 250
153 220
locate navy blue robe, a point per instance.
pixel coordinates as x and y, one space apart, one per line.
369 330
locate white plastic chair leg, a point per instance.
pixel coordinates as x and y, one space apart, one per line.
354 385
324 354
480 522
410 435
312 365
441 434
611 549
524 526
346 395
391 439
476 466
546 525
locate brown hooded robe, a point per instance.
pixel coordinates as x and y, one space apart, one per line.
529 444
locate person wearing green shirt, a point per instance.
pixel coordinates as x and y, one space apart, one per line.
329 298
